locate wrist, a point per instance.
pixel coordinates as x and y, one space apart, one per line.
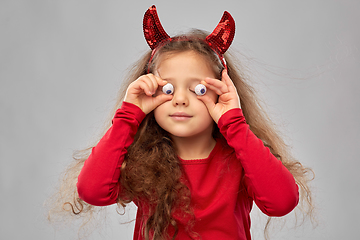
228 116
135 110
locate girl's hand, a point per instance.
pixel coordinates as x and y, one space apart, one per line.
141 91
228 97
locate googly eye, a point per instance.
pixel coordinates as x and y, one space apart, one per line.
168 88
200 89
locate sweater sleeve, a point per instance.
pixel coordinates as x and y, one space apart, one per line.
98 181
267 180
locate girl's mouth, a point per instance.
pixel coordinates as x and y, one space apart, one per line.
180 116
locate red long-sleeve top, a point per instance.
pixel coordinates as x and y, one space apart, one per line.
223 186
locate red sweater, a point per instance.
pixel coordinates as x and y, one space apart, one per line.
223 186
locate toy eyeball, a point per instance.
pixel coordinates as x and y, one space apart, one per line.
200 89
168 88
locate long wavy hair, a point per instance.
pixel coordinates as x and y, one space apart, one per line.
151 169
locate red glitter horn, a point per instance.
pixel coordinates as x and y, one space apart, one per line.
222 36
219 40
153 31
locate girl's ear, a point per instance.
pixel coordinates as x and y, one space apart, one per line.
222 36
153 31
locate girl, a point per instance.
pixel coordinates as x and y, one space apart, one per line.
189 145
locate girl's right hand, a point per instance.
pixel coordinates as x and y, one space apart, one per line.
141 91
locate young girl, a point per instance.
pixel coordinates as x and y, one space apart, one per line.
189 145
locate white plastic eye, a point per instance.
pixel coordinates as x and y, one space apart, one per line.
168 88
200 89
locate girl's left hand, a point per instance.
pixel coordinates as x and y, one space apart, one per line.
228 96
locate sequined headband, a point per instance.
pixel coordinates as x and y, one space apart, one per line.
219 40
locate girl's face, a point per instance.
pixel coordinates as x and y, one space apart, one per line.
185 115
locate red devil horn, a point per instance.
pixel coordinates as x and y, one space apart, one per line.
153 31
222 36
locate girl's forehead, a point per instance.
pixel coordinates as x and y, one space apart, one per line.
184 63
163 57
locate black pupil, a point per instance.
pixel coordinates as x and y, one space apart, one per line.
168 91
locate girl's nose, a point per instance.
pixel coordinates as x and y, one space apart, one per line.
180 98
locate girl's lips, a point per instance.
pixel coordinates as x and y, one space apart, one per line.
180 116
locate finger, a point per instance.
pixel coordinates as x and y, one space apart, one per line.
154 82
217 86
160 81
146 86
231 86
227 80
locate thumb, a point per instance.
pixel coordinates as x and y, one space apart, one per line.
210 105
160 99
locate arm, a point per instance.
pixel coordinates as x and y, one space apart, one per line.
98 181
268 182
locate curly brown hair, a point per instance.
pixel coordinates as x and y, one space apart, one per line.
151 169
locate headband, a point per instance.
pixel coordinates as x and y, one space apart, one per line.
219 40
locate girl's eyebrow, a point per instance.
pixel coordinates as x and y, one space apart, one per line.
196 79
190 78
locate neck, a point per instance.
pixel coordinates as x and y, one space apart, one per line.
194 147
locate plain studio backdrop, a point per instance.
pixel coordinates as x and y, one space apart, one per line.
63 61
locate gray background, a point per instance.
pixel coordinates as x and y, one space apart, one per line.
62 63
